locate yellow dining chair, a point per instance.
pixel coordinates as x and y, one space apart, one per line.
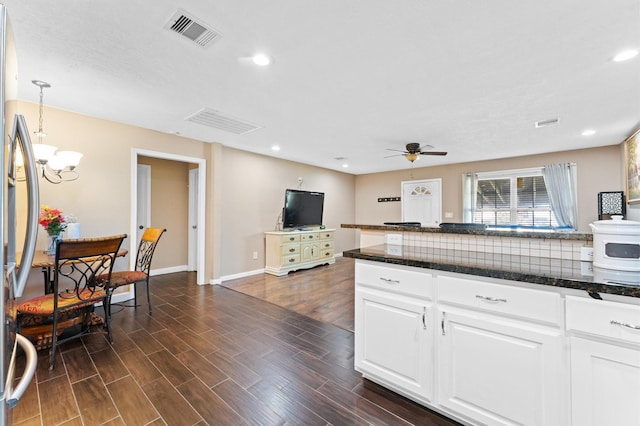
147 247
81 276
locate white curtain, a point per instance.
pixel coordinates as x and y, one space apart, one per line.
561 182
469 196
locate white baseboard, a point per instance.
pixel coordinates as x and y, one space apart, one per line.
245 274
240 275
169 270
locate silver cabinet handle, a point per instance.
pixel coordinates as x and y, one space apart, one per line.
424 320
442 323
490 299
389 280
623 324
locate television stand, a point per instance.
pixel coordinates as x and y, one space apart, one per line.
288 251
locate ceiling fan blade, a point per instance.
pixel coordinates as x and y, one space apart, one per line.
433 153
397 150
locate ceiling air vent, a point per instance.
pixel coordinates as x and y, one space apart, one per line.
188 26
212 118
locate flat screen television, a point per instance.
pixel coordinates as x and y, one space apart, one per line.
302 208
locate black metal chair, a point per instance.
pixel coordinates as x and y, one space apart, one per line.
140 274
81 279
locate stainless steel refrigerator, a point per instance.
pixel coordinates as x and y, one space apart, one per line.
14 279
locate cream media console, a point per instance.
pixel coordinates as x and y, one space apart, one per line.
293 250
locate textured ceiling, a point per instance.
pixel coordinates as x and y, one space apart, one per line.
350 79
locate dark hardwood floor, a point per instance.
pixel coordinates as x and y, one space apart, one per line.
212 355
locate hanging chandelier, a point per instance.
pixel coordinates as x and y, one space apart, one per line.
54 166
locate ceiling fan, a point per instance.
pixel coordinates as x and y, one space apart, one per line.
413 151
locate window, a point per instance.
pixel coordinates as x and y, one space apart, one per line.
513 198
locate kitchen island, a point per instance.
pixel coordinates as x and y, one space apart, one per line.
498 329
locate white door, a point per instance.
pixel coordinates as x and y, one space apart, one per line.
143 199
192 251
500 372
422 202
605 384
394 335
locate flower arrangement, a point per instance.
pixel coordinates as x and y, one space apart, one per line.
52 220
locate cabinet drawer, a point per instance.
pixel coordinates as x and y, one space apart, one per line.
325 245
603 318
293 238
502 298
399 279
310 237
290 259
288 249
326 235
326 253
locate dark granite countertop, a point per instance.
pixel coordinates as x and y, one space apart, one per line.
485 232
551 272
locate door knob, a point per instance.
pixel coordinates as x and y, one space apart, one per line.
140 227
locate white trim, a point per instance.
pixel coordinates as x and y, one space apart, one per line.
202 176
169 270
242 275
531 171
246 274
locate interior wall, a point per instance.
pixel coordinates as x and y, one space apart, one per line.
598 171
100 198
169 210
253 198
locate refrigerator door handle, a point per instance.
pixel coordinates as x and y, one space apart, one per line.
15 393
21 134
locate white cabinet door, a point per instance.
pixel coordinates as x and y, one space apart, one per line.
422 202
309 252
394 336
605 384
500 372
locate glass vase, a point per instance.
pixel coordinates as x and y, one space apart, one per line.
52 244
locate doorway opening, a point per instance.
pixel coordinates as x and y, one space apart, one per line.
198 205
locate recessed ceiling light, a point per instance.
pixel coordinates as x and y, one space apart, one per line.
261 59
275 148
589 132
345 165
625 55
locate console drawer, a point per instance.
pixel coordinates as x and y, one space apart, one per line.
288 249
326 253
290 259
326 235
501 298
603 318
310 237
293 238
398 279
325 245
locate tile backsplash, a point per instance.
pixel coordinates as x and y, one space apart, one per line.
551 248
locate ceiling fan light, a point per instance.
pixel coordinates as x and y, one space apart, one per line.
412 156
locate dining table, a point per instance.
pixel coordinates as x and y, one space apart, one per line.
48 261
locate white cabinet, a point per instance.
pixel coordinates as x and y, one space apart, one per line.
394 328
290 251
499 363
499 372
605 362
